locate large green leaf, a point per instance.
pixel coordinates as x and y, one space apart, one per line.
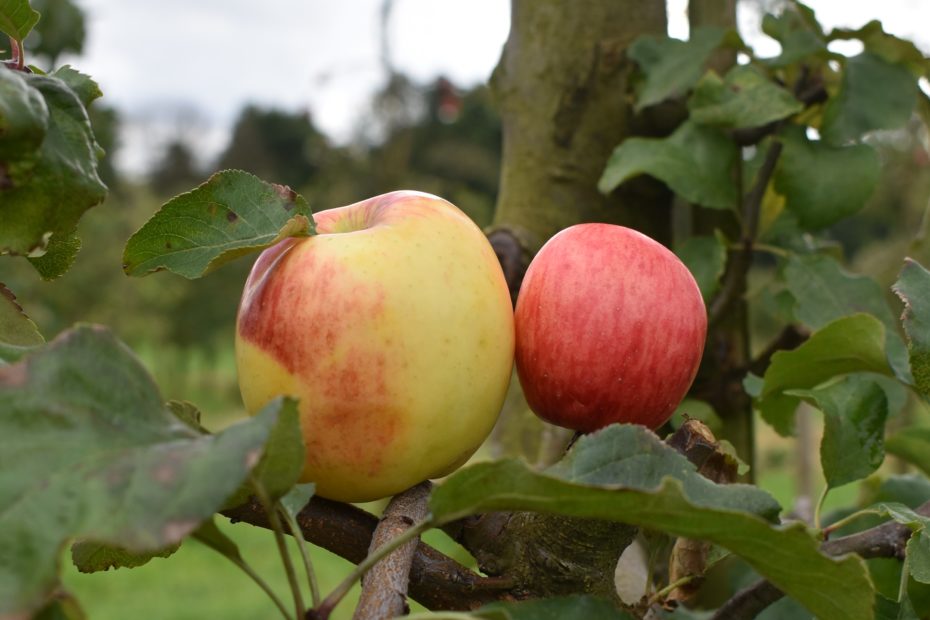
17 18
913 287
24 121
851 344
695 161
672 66
823 184
786 555
855 410
746 97
18 334
233 214
823 291
875 94
88 450
705 257
62 184
83 85
282 462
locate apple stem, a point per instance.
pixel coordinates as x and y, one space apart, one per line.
325 608
278 530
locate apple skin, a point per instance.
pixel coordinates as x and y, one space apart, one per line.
394 328
610 328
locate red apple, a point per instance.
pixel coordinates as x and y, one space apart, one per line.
393 326
610 327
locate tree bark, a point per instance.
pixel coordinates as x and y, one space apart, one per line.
562 89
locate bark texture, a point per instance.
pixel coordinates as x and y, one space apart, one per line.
384 587
562 89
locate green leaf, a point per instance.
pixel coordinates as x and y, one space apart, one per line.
822 184
298 497
918 555
91 557
83 85
672 66
851 344
875 94
24 119
188 413
63 183
705 258
788 556
913 287
17 18
823 291
696 162
885 45
798 32
59 255
746 97
88 450
18 334
855 410
233 214
282 462
559 608
911 445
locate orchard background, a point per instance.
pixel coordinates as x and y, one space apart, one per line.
794 185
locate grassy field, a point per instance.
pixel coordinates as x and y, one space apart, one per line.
197 583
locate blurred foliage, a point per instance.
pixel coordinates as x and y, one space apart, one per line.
60 31
450 147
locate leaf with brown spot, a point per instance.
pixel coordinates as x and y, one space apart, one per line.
233 214
88 450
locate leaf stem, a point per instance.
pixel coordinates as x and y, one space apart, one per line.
819 508
661 594
248 570
18 55
847 520
339 592
298 536
276 526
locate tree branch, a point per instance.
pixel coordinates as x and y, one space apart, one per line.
734 284
436 581
384 588
887 540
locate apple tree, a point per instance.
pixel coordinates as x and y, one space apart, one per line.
740 163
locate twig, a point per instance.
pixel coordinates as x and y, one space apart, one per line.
735 280
384 588
436 581
329 603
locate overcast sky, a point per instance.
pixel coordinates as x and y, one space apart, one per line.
193 64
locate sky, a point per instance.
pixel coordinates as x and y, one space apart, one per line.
187 67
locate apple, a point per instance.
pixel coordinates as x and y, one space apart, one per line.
610 328
393 326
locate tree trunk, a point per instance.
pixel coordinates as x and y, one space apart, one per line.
562 89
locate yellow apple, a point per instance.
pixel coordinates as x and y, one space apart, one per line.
394 328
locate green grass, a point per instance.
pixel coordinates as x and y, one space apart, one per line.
197 583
